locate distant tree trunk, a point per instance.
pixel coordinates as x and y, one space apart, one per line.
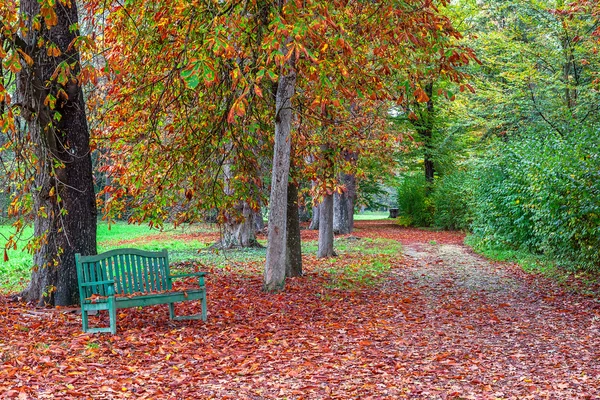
314 222
304 214
274 276
427 133
239 231
343 206
343 203
326 228
293 265
259 222
63 180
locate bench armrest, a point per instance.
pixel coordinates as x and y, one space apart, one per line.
97 283
199 274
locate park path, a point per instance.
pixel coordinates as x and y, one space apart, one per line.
489 330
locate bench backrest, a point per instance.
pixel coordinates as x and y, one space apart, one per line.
132 271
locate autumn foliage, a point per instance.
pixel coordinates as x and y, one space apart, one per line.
189 87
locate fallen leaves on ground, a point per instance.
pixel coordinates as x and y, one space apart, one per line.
435 328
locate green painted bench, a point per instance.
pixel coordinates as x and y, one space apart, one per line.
125 278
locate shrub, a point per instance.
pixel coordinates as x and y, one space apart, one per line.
543 195
414 207
452 200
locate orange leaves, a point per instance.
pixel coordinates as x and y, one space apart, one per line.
420 95
26 57
48 13
53 51
238 109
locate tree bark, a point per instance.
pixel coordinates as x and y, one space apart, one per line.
274 276
314 222
427 134
63 198
239 231
293 265
326 228
343 206
259 223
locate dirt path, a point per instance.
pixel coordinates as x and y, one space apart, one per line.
488 330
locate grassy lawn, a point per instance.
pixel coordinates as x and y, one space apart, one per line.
15 272
371 215
193 244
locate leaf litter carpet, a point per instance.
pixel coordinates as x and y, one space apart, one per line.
442 324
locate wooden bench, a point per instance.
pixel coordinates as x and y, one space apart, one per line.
131 278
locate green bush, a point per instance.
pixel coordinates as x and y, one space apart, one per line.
452 200
414 207
543 195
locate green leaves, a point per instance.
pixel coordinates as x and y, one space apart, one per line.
197 72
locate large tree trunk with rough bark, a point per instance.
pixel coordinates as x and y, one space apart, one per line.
63 199
293 265
274 276
239 230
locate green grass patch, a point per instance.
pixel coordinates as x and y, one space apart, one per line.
361 261
528 261
348 245
15 273
355 276
371 215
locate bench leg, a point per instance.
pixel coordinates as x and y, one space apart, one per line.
112 314
171 311
204 307
84 319
185 317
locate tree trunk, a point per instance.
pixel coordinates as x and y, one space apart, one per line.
343 206
259 223
293 265
314 223
274 277
326 228
427 133
63 198
239 231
